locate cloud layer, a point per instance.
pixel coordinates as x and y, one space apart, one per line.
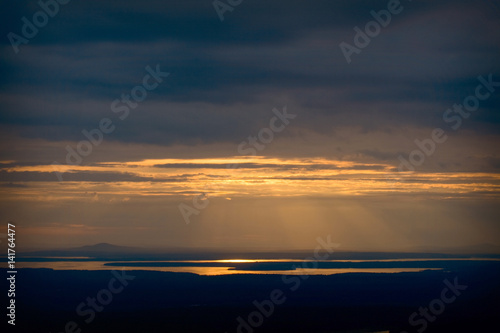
354 121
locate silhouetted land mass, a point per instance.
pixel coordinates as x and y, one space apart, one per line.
181 302
106 251
273 266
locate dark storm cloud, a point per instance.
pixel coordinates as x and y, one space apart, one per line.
194 20
91 52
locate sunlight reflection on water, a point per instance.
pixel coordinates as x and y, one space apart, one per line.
100 265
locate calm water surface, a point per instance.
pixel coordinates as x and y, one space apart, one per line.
225 267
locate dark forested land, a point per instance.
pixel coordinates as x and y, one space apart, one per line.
58 301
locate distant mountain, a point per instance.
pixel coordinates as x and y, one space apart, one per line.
104 247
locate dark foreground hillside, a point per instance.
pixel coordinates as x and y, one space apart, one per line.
48 301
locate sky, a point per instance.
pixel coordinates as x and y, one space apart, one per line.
257 126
